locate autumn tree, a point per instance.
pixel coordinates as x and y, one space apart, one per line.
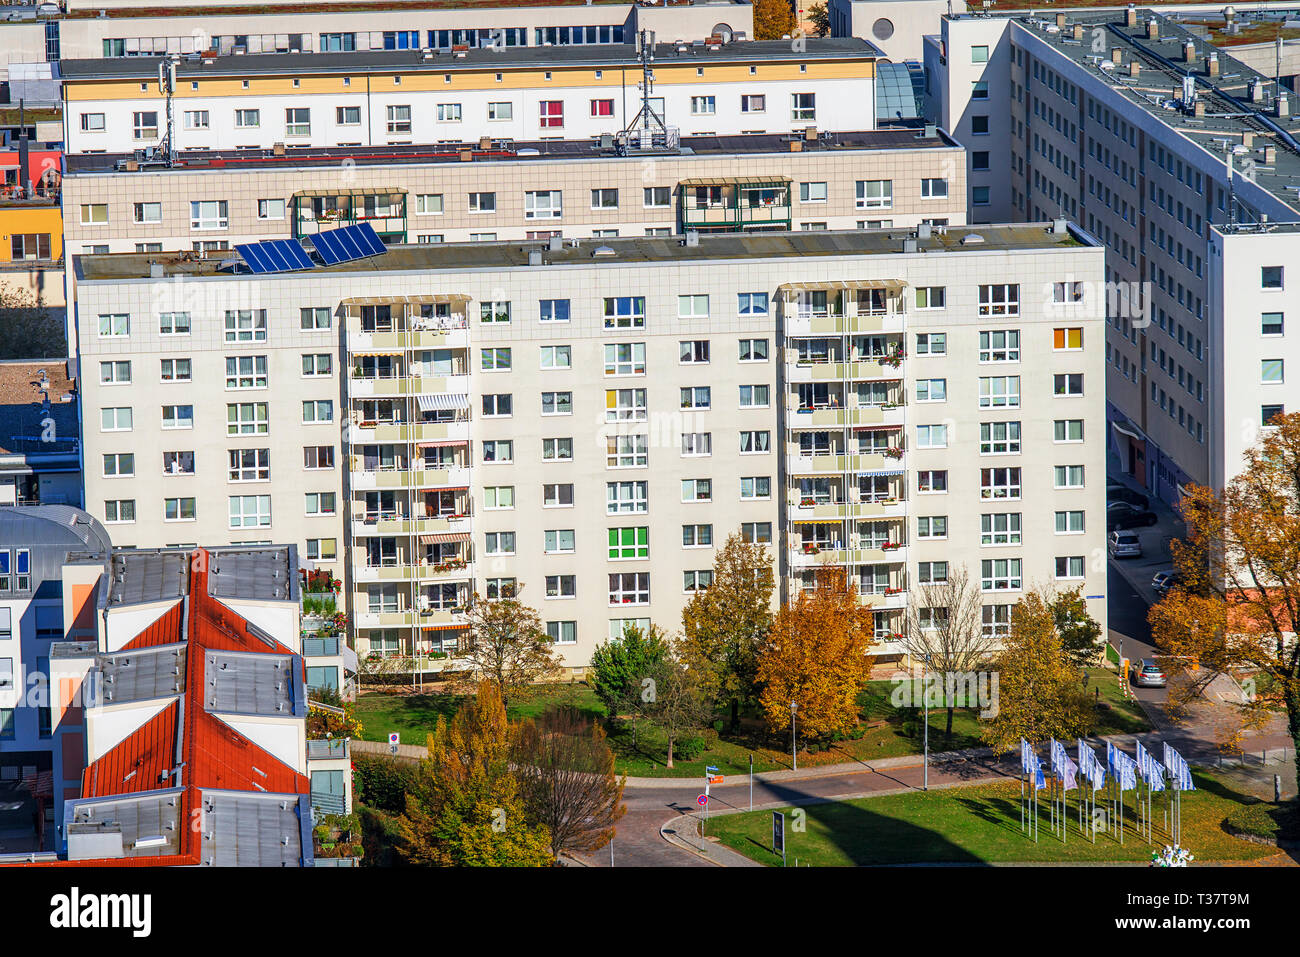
464 808
817 656
724 625
678 698
945 632
1039 695
819 20
506 643
1237 606
566 779
773 19
1080 633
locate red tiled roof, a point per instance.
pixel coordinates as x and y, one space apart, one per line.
165 631
149 750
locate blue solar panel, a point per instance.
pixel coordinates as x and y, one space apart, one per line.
348 243
275 255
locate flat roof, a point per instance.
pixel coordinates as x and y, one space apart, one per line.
195 67
126 267
515 151
1229 111
257 573
236 682
141 576
143 674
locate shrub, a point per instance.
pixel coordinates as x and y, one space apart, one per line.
1271 821
689 748
382 782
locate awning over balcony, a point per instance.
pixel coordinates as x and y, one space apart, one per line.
451 627
444 538
875 428
796 288
442 401
876 473
333 193
443 444
737 181
377 352
429 300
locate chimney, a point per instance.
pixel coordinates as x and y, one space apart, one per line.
1078 32
534 257
796 146
555 244
1060 20
1116 56
1198 108
1283 106
1256 91
466 156
1270 155
909 245
1248 139
1134 68
1153 29
1131 16
485 143
1212 65
810 134
1189 51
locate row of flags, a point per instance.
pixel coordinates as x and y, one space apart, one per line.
1122 768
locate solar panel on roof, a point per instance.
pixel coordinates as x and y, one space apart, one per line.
348 243
275 255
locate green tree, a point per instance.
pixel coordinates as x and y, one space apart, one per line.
677 699
506 643
619 665
819 19
1080 632
1039 695
464 807
773 19
724 625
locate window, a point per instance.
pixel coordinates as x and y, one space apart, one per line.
932 526
629 588
931 390
1000 483
116 419
144 125
250 465
1000 574
146 212
317 411
1270 370
931 343
980 161
561 586
979 125
499 497
270 209
1068 476
482 202
996 620
1000 528
553 310
557 450
979 54
498 405
119 464
755 442
697 490
498 588
1000 392
1267 413
562 632
1067 292
626 405
999 438
114 326
245 325
1069 567
979 90
628 543
315 457
1001 299
755 396
92 122
756 533
115 373
557 403
753 103
627 451
803 107
875 193
932 573
1067 430
692 307
177 370
604 198
116 512
94 214
196 120
753 350
812 192
27 246
557 357
495 360
999 345
656 197
625 358
693 581
626 497
697 443
755 487
1069 523
557 495
1067 339
322 549
178 510
178 463
696 397
317 364
316 318
697 536
550 114
399 120
1070 383
499 543
297 121
1270 277
934 188
625 312
498 450
178 416
703 105
246 372
250 511
543 204
932 436
749 304
209 214
1271 324
247 418
693 351
496 311
558 541
931 297
248 119
932 481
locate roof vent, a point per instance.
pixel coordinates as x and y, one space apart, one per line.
692 237
555 243
602 251
534 257
909 245
923 231
1060 227
972 239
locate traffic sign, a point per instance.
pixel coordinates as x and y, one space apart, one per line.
778 834
702 800
716 779
394 739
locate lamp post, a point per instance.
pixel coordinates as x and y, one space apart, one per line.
925 706
794 747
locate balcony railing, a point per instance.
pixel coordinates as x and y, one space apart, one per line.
321 647
334 749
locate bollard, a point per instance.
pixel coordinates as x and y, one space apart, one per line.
1277 789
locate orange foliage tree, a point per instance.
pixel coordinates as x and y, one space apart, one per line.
816 656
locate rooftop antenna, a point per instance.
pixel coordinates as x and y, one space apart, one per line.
167 86
647 129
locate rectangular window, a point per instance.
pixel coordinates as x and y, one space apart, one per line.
1003 483
495 360
1069 567
543 204
755 396
1067 339
498 405
932 526
178 416
558 541
697 443
249 465
498 588
624 358
297 121
803 107
1271 324
178 463
703 105
753 350
696 397
931 436
209 214
498 451
1068 476
932 481
115 373
1067 430
931 390
692 307
999 299
482 202
999 438
270 209
116 512
1069 523
931 297
812 192
999 345
315 411
627 451
557 403
756 487
557 495
1070 383
316 364
550 114
1000 392
499 543
629 588
118 419
931 343
561 586
178 510
114 326
695 351
248 119
499 497
556 357
1000 574
628 543
144 125
656 197
557 450
245 325
316 318
316 457
626 405
553 310
756 533
1270 370
562 632
119 464
934 188
875 193
246 372
625 312
147 212
626 497
250 511
604 198
1000 528
697 536
247 418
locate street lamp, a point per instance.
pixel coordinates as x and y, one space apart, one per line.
794 747
925 705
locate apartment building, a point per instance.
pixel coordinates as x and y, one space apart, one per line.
802 388
211 201
40 434
1164 147
377 97
52 559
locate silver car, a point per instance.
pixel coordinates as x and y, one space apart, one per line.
1145 673
1125 543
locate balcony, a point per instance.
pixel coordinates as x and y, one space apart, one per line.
831 417
828 463
390 523
331 749
865 370
365 479
361 386
407 571
432 618
799 558
734 204
316 211
363 432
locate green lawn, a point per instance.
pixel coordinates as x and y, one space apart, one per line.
415 715
974 825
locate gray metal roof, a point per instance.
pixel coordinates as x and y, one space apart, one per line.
139 819
236 682
143 674
148 575
56 535
610 55
265 573
242 829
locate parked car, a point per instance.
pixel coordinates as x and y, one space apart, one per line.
1161 582
1122 493
1123 515
1125 544
1145 673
